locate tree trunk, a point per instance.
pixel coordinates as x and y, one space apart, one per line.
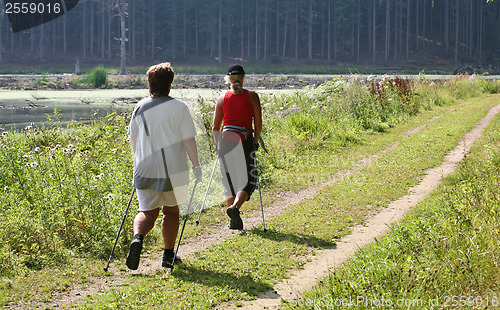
297 33
65 45
374 45
285 30
184 32
481 25
309 35
153 27
387 28
396 29
353 40
173 28
416 26
84 29
471 30
54 37
248 30
447 25
41 47
121 5
358 29
329 31
220 31
92 28
197 30
408 30
110 18
457 24
132 30
424 17
256 30
242 37
1 29
335 24
277 27
265 30
103 27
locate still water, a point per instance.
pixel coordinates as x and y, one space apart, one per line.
22 108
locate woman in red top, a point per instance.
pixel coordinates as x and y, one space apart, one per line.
236 144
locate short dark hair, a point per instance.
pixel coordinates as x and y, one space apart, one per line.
160 78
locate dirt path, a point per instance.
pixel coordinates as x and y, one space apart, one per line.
325 260
375 228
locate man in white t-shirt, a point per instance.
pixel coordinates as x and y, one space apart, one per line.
161 134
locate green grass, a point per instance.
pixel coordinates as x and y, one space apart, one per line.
76 170
252 261
445 252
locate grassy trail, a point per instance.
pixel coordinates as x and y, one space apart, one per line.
340 154
291 292
252 262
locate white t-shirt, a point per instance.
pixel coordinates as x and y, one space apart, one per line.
159 125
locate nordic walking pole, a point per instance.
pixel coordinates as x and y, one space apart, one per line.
258 185
261 206
206 193
120 230
184 224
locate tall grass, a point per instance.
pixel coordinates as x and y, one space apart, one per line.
60 188
63 189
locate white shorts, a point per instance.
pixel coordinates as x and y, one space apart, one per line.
150 199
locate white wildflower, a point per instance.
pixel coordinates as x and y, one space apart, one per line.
108 196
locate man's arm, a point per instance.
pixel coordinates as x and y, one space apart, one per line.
133 144
192 151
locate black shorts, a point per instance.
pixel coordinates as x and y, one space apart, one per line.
237 163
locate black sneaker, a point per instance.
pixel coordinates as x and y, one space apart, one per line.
134 253
168 257
234 215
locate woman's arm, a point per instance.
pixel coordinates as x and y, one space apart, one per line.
218 116
257 115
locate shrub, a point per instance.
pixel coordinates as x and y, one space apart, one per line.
98 77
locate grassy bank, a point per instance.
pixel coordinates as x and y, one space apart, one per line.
63 190
445 253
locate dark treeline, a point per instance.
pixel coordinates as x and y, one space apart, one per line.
334 31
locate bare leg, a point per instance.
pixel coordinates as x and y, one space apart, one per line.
234 204
230 201
240 199
170 226
145 221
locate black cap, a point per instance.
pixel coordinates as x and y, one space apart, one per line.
235 69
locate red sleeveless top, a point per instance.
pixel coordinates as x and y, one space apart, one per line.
237 110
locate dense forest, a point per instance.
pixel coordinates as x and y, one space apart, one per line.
389 32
